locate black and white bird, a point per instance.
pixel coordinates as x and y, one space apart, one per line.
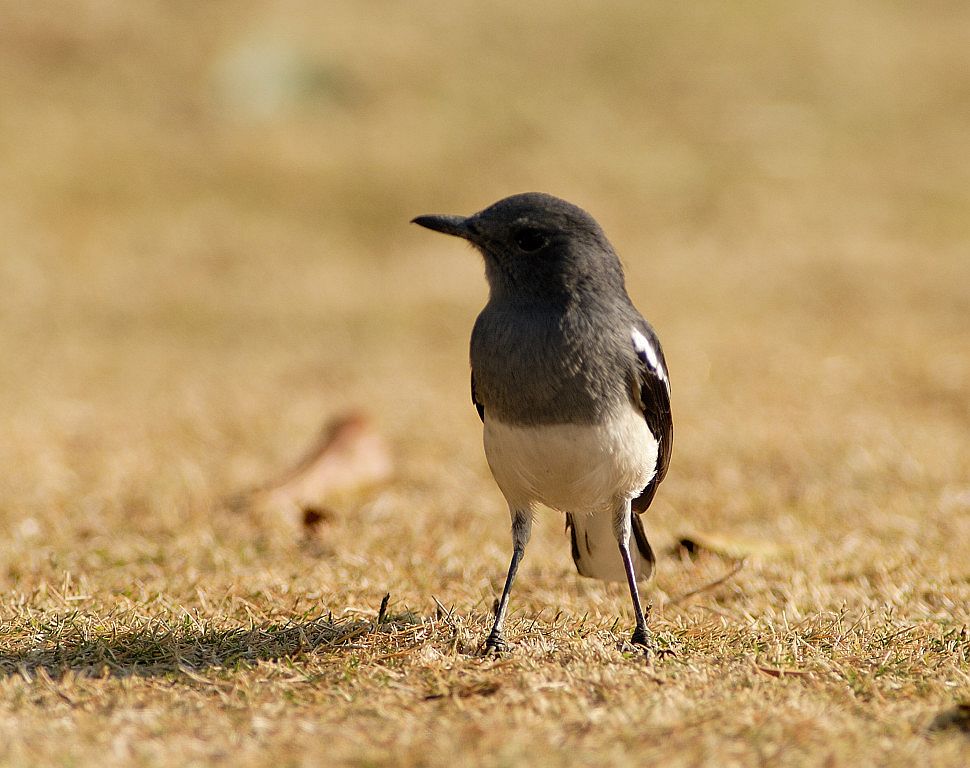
571 385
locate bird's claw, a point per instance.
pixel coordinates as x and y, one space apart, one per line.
643 641
495 644
643 638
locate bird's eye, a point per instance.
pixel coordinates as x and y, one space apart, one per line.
530 240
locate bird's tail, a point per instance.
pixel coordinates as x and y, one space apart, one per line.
596 553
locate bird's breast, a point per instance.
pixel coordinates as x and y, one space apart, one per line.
547 367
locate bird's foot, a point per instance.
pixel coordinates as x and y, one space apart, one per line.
643 641
495 644
643 637
641 646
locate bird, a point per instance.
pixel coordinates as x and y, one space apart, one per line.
572 388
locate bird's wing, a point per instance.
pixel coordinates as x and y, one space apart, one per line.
478 405
651 394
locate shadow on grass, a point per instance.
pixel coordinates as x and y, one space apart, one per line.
157 648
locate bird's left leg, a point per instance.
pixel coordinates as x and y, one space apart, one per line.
622 525
521 532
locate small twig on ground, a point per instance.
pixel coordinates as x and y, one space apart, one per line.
710 585
443 613
382 611
781 671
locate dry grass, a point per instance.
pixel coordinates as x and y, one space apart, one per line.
204 252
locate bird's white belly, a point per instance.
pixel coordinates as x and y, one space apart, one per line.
572 467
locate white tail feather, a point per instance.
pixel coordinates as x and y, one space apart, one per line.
596 553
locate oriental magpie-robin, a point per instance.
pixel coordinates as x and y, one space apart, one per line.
571 385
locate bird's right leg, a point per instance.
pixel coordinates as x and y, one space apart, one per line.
622 527
521 531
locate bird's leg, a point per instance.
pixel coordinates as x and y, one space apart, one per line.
521 531
622 524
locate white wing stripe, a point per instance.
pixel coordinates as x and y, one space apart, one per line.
648 354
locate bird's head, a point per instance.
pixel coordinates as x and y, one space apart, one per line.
536 246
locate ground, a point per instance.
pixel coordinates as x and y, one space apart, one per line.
204 254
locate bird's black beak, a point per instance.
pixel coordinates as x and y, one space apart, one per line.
459 226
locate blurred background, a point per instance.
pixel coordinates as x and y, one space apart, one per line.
205 251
